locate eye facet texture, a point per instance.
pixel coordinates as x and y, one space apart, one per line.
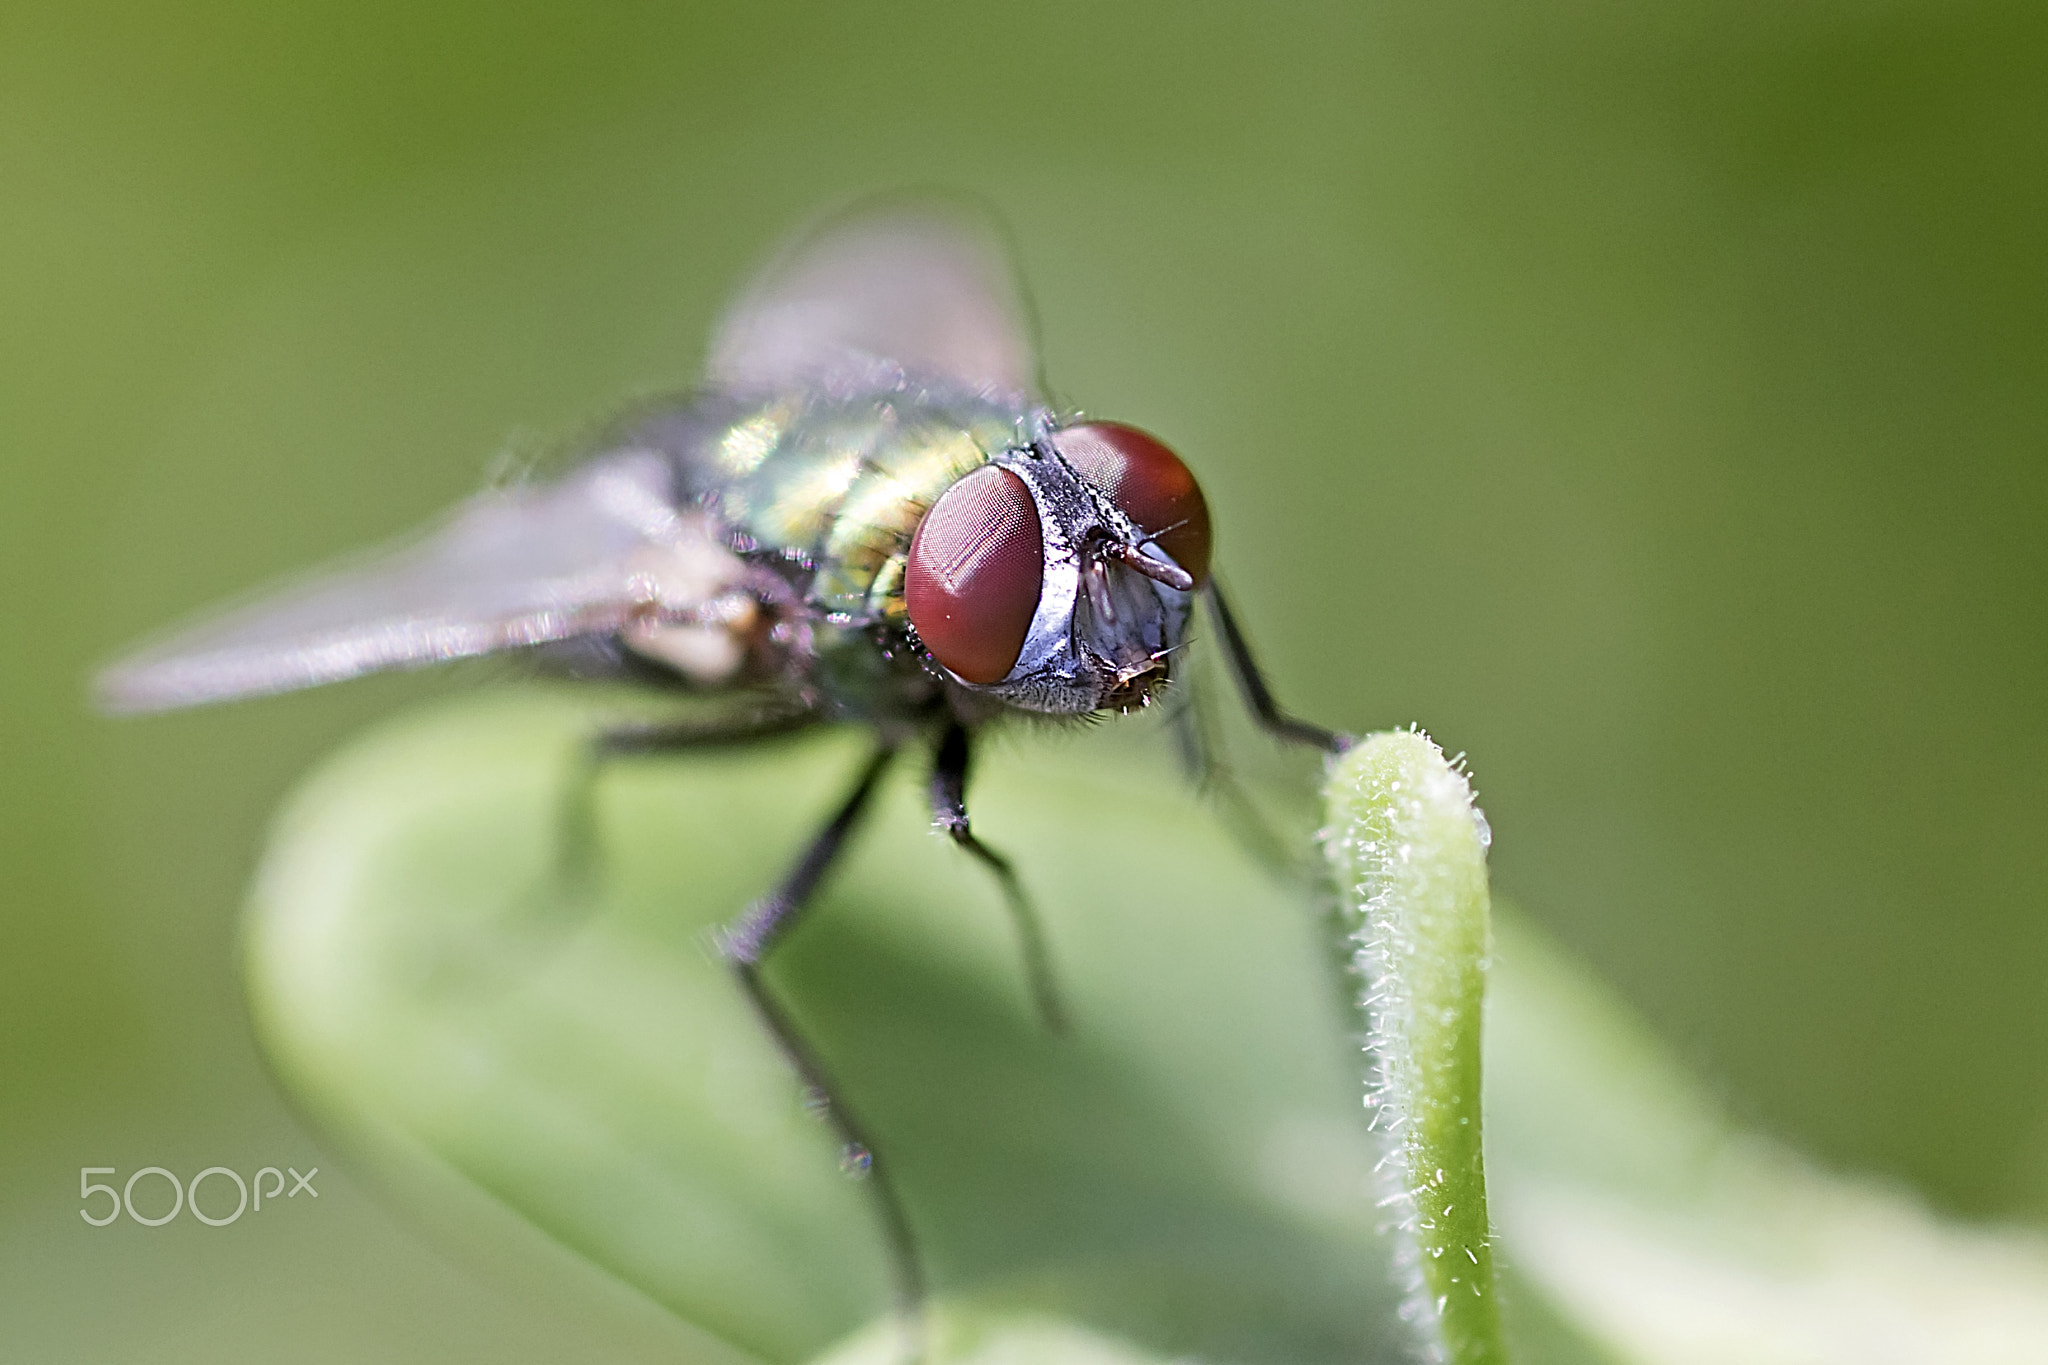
973 577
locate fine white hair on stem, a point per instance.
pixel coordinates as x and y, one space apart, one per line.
1408 848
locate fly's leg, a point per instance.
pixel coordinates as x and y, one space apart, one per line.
576 840
1257 695
654 737
1201 755
746 944
949 812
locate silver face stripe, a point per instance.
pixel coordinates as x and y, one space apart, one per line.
1050 637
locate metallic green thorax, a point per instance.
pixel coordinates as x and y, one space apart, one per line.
841 485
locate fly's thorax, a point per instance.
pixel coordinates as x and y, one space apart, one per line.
836 486
860 568
812 501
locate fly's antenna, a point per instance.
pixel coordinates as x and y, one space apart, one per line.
1158 570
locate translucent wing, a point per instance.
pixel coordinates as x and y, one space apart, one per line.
909 287
590 555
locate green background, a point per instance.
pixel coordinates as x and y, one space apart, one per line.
1648 399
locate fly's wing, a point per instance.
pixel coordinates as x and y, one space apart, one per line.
521 566
922 289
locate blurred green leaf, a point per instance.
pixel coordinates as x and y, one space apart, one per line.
1187 1172
981 1338
1665 1232
1188 1176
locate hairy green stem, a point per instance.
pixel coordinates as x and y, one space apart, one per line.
1408 848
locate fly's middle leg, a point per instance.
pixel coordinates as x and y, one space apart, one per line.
949 811
746 944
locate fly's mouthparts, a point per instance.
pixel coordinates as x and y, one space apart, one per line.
1131 686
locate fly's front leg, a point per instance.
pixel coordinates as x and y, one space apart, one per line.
1257 695
949 812
746 944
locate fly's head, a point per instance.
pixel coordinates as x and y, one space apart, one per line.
1058 577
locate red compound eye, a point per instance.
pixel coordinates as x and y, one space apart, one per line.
972 580
1148 483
